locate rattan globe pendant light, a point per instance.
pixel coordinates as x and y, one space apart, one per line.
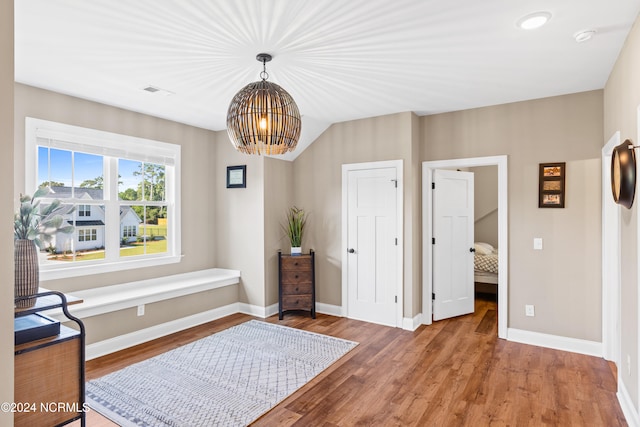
262 117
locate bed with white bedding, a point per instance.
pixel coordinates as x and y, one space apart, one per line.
486 268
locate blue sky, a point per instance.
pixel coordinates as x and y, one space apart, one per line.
86 166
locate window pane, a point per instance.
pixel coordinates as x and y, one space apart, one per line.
150 226
87 240
130 222
129 180
141 181
54 167
87 170
153 182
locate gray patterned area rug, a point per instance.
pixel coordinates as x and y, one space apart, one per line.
230 378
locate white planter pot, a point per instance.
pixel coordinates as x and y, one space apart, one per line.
296 250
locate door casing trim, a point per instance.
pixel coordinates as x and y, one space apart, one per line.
346 168
503 241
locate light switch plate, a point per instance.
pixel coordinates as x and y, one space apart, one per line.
537 243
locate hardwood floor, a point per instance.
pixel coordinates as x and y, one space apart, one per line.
455 372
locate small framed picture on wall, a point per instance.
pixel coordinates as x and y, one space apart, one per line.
551 185
237 176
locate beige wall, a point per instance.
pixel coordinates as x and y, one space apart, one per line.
414 246
197 147
278 190
621 100
239 219
317 176
245 223
6 208
122 322
199 186
563 280
248 220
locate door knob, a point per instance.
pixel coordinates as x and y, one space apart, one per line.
351 251
472 249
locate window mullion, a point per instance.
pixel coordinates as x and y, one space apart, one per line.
112 216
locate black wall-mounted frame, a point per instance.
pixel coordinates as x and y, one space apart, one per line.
551 185
237 176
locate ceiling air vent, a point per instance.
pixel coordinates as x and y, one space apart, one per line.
157 90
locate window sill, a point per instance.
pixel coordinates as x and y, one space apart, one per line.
82 269
118 297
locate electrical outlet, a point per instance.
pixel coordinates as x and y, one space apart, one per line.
529 310
141 310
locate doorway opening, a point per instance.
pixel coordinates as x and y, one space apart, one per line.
427 233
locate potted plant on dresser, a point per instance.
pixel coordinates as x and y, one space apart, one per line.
294 228
34 226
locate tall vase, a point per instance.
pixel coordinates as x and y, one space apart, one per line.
27 272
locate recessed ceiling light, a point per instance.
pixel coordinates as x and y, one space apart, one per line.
533 20
584 35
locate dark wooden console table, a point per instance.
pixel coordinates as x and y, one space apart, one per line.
50 372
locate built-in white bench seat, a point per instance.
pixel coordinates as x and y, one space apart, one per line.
126 295
107 299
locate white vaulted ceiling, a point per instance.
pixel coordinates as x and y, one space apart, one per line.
340 60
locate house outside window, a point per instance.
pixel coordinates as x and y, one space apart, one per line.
129 231
87 235
123 189
84 210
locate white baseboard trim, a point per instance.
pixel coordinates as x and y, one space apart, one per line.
121 342
256 310
574 345
332 310
626 403
409 324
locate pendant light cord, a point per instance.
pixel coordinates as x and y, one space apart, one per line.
263 74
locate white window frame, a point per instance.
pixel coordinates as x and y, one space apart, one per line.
113 145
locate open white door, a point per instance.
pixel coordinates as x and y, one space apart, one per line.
372 245
453 286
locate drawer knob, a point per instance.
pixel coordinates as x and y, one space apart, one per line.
296 289
296 276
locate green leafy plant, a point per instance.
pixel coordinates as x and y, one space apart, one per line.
40 223
294 227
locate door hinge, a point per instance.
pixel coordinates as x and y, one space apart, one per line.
433 240
396 241
433 296
396 299
395 182
433 185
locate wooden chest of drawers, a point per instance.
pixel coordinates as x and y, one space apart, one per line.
297 287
